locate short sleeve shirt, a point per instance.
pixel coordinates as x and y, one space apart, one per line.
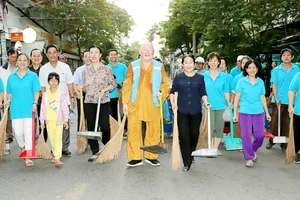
1 86
216 89
283 79
120 72
250 100
65 75
235 71
295 87
78 75
22 93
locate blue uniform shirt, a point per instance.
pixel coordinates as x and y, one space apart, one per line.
229 80
283 80
215 90
235 71
295 87
203 71
1 86
250 101
22 93
190 91
235 81
120 72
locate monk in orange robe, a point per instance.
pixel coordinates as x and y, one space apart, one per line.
146 81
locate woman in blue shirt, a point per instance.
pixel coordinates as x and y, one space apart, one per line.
250 94
294 112
191 90
24 88
217 88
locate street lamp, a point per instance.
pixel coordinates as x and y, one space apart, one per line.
29 35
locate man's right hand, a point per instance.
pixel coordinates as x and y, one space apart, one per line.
278 104
125 109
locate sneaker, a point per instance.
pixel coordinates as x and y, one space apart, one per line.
270 145
6 152
219 153
135 163
66 153
153 162
297 159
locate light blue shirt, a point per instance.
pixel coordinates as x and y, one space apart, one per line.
271 86
1 86
235 71
250 101
235 81
283 79
78 75
203 71
120 72
22 93
295 87
215 90
229 81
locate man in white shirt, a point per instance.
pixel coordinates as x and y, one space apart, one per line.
65 84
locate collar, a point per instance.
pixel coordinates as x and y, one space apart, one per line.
16 71
248 81
293 66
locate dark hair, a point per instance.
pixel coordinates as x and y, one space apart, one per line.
53 75
51 46
258 66
158 59
213 54
111 50
226 63
85 51
24 54
12 51
95 46
187 56
276 61
35 49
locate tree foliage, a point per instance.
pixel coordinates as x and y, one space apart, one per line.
86 23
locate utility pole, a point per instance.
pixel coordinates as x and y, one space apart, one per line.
194 43
3 33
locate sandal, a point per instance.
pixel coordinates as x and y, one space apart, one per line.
29 163
58 163
255 157
249 163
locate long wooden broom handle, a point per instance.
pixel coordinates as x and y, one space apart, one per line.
161 121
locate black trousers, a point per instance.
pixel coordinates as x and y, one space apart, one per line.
38 121
113 104
188 127
297 132
79 111
90 115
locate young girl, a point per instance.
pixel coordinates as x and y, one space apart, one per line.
24 88
250 94
191 90
55 112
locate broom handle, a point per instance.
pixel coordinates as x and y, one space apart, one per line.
97 114
161 121
81 105
208 128
279 121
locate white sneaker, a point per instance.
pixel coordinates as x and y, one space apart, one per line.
219 153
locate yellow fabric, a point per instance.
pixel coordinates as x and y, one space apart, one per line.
142 110
52 106
55 137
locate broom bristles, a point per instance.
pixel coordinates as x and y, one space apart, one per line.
82 142
176 154
42 147
112 149
3 125
114 126
290 150
202 141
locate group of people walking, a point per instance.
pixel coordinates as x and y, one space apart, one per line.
51 89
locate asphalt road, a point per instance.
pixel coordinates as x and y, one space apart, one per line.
225 177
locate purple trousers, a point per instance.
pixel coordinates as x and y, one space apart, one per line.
249 122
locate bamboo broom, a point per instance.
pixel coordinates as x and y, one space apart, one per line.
112 149
114 126
82 142
42 147
202 141
290 154
176 154
3 125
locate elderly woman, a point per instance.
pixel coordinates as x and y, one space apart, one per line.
97 82
24 88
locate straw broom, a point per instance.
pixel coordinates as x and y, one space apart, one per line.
290 150
202 141
82 142
114 126
3 125
42 147
112 149
176 154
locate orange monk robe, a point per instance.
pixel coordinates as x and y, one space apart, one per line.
143 109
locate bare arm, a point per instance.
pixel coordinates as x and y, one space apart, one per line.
291 96
235 106
264 102
274 89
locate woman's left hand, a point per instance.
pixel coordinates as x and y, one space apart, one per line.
66 125
268 117
34 107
